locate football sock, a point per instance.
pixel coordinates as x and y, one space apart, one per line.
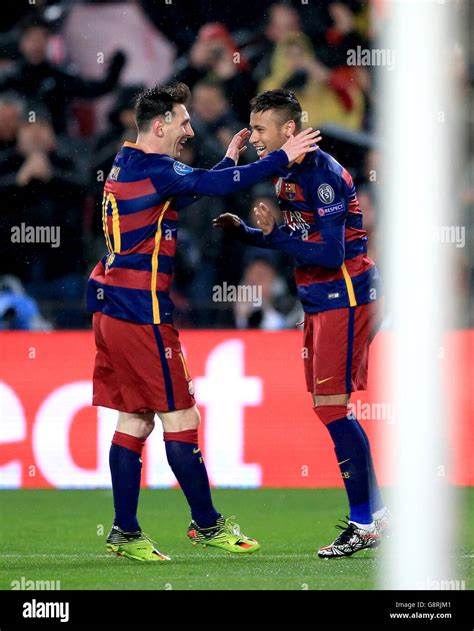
353 459
376 499
369 527
125 467
187 464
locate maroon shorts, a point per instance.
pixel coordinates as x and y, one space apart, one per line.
336 345
139 368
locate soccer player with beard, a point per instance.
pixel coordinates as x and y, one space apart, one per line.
340 290
139 367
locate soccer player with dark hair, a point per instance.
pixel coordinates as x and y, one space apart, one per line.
339 287
139 367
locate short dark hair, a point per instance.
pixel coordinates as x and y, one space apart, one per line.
283 101
158 101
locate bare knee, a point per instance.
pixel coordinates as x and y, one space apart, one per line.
330 407
180 420
139 425
330 399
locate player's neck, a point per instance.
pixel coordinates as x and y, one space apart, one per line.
150 144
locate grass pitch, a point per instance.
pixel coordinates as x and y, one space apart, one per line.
60 535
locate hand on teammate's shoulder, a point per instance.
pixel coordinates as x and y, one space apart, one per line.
304 142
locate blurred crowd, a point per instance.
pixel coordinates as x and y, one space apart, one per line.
66 107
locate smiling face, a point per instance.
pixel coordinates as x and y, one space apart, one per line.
174 131
269 133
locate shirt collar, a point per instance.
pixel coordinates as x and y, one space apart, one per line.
134 145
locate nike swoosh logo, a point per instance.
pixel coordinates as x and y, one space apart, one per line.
319 381
196 450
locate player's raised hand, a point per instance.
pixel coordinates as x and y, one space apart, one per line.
237 145
304 142
226 221
265 219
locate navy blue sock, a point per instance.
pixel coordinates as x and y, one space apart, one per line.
353 458
376 499
187 464
126 467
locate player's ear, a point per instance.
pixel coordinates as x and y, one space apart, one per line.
289 128
157 127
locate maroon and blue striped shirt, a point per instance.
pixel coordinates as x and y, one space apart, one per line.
142 196
323 231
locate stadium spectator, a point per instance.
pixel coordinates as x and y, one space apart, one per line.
34 77
18 311
341 34
42 186
214 122
263 286
180 26
11 110
324 97
282 21
11 17
333 46
215 56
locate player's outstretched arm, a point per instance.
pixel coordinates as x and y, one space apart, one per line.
329 252
174 178
237 227
235 149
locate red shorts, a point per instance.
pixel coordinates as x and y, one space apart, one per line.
139 368
337 343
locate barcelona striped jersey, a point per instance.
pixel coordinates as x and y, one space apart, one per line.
142 197
323 230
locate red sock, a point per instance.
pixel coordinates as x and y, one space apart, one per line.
129 442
